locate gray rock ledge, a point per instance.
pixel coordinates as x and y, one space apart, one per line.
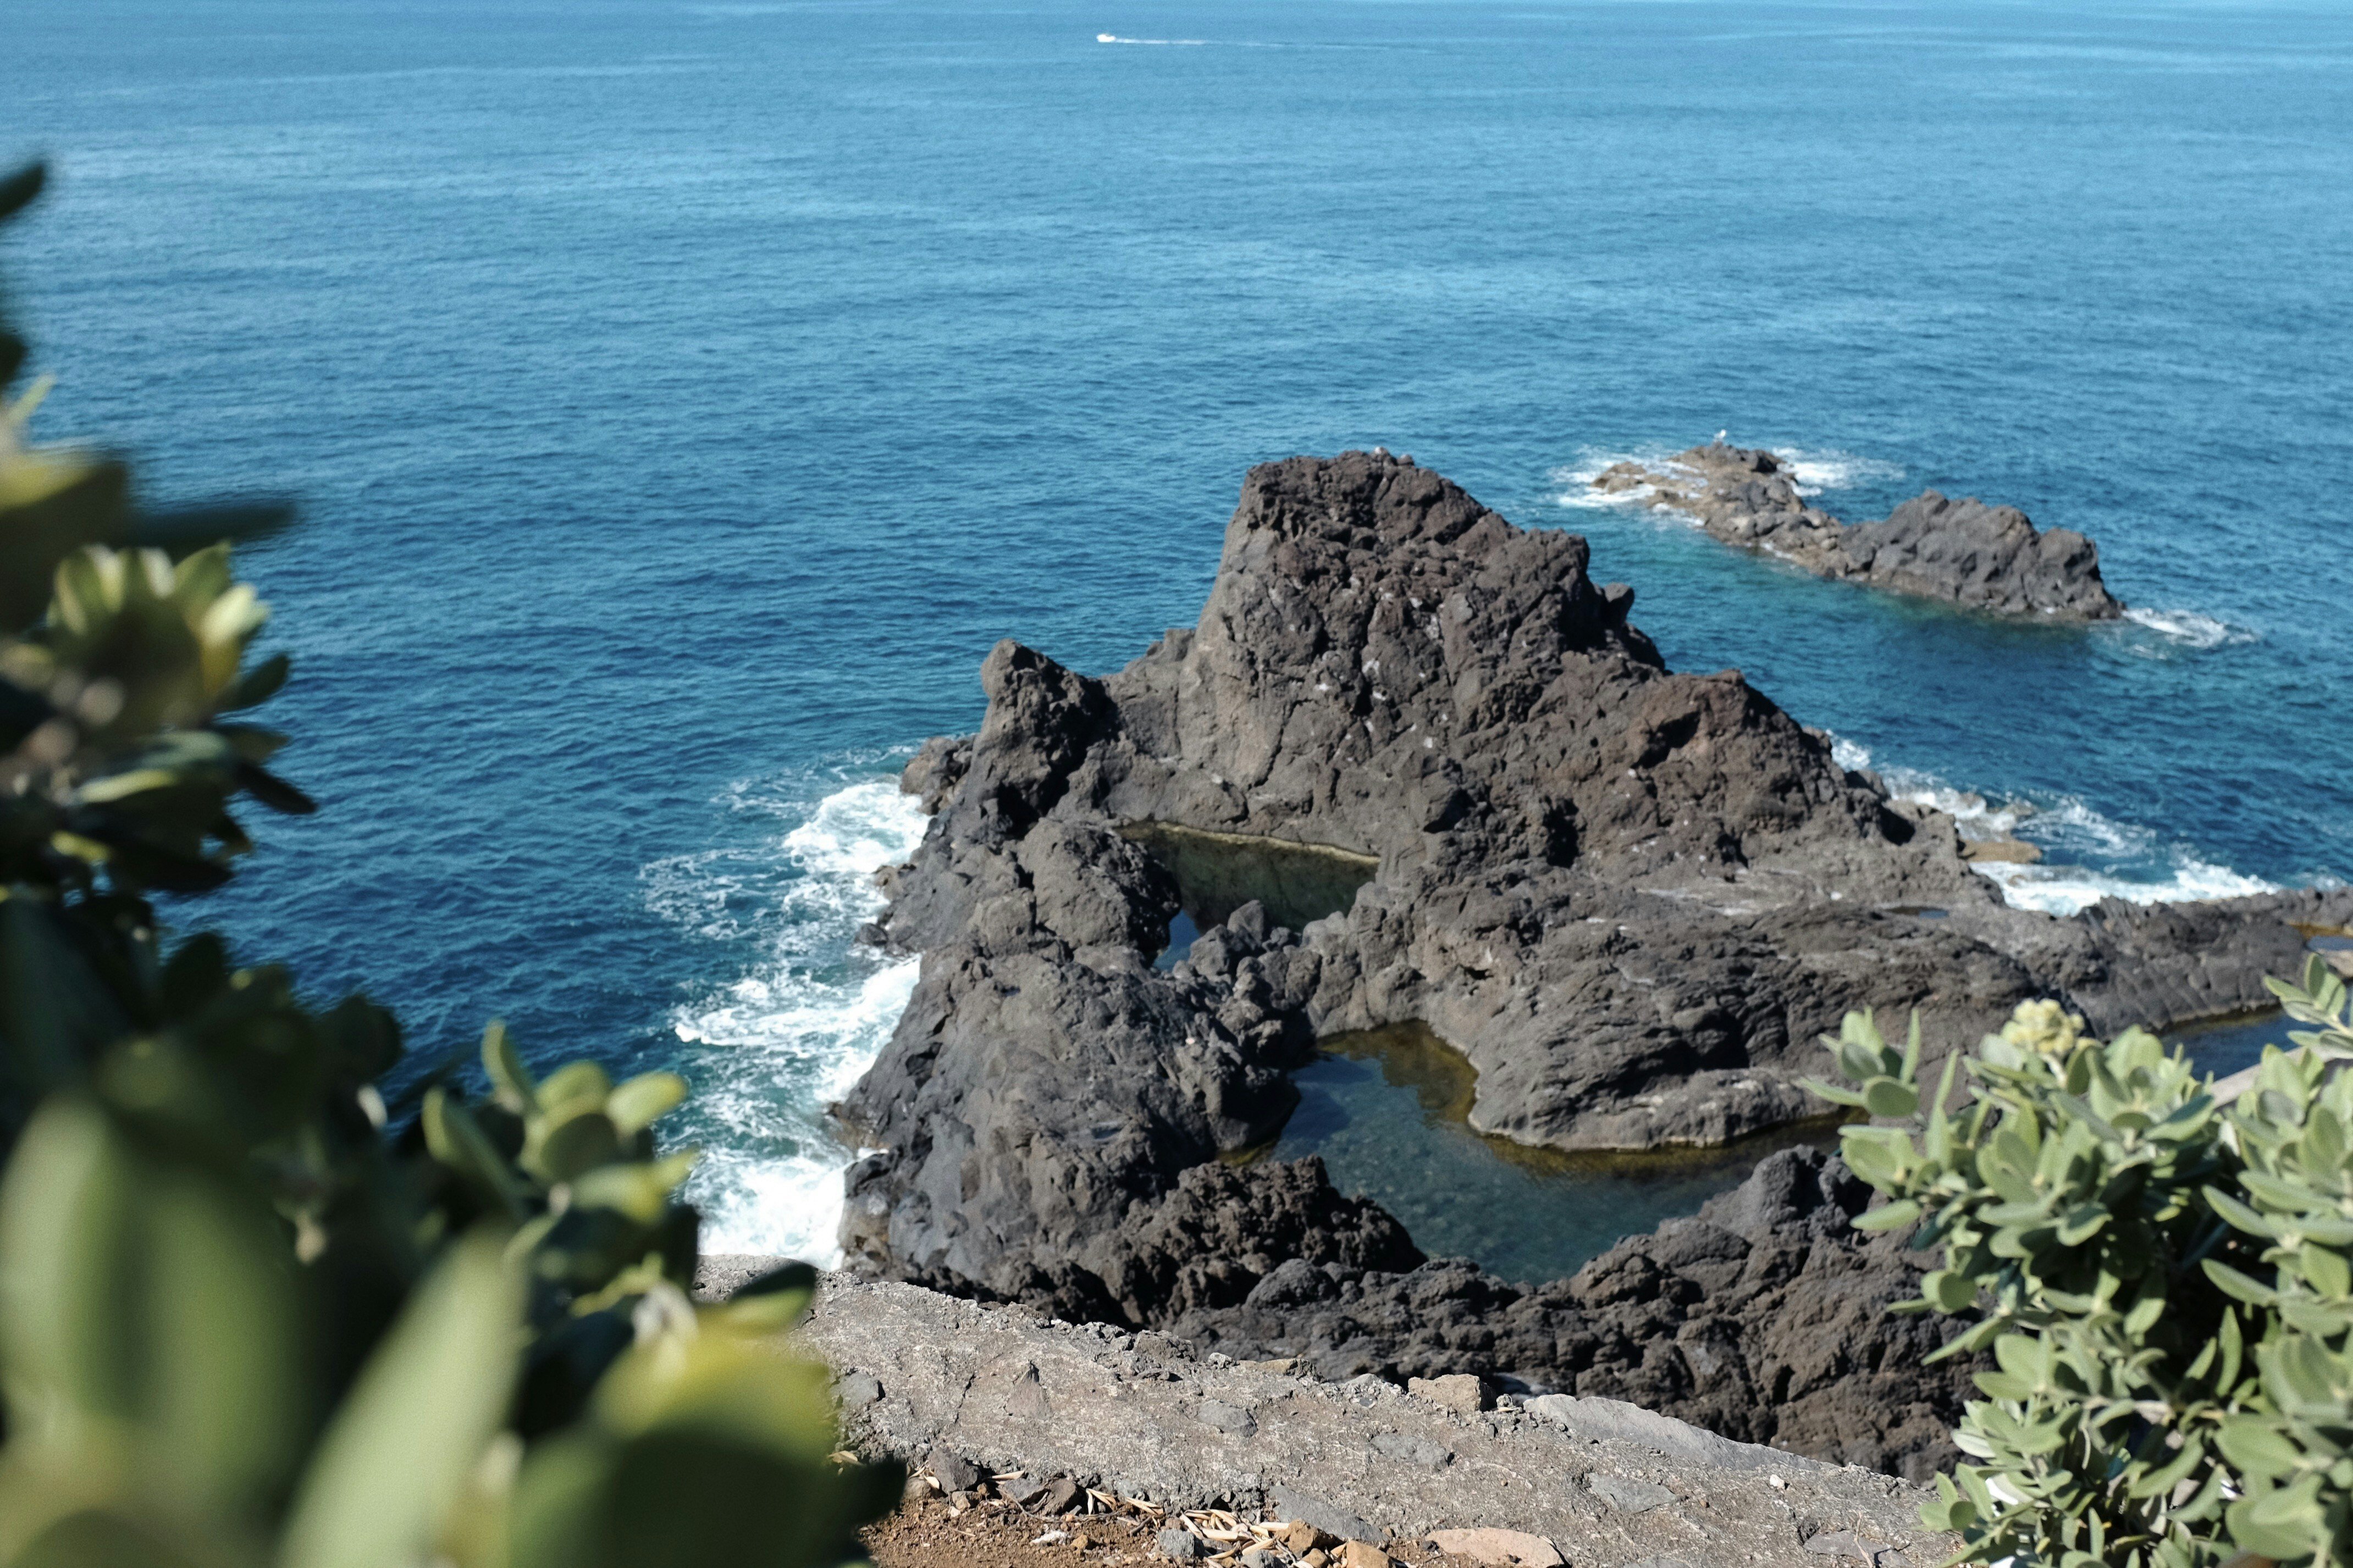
924 1374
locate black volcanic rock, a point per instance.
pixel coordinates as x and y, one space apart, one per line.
1631 897
1212 1241
1763 1317
1966 552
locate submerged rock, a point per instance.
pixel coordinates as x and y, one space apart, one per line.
1478 800
1933 547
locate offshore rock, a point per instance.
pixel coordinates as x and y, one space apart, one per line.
1469 794
1932 547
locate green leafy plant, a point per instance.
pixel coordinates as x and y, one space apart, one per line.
680 1440
571 1160
167 1405
250 1311
2164 1280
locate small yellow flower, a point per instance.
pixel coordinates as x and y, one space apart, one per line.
2045 1027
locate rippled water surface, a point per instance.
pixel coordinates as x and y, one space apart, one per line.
686 395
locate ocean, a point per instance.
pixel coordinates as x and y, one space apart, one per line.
683 397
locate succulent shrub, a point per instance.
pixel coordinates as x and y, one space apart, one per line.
2163 1274
250 1311
168 1404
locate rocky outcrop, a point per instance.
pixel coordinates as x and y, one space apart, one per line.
1764 1319
943 1382
1963 551
1632 896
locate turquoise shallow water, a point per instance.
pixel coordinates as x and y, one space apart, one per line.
685 395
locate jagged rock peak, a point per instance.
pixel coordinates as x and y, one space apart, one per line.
1383 660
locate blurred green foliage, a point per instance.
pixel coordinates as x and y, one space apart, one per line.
2165 1281
248 1315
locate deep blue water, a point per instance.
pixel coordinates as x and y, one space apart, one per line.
684 397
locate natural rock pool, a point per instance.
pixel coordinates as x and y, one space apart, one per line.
2225 1045
1387 1109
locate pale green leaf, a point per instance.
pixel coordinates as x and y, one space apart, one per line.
398 1453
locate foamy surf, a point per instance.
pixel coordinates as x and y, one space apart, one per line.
1816 472
2087 856
1977 816
2187 628
2065 889
1576 479
1165 43
768 1050
1812 471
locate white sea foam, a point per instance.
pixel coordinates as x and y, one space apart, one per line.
2088 856
2189 628
1814 472
768 1050
1166 43
1975 816
1577 479
2063 889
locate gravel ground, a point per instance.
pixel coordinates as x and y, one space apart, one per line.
932 1531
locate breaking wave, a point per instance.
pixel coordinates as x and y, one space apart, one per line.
2187 628
2063 889
768 1051
1576 479
2086 856
1815 472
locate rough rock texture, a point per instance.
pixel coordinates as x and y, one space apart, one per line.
1764 1319
1143 1415
1631 897
1963 552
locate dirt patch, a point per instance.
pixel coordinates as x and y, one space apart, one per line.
929 1531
